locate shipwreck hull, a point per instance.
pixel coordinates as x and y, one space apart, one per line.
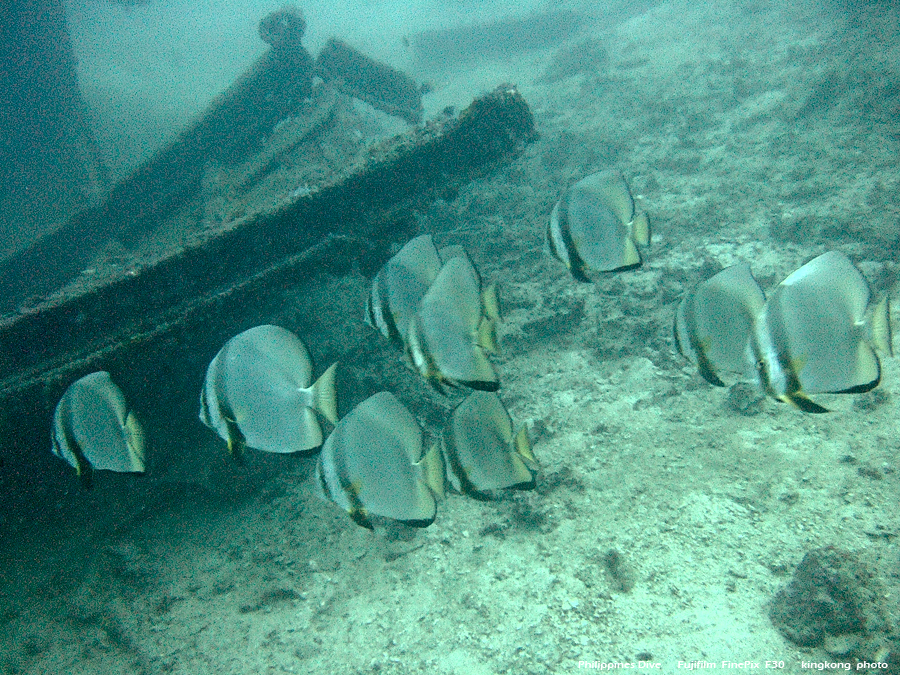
156 325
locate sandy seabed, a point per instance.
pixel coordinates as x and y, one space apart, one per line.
664 520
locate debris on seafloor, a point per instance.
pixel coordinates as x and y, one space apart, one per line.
833 602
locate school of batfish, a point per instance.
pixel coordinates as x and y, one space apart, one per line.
817 333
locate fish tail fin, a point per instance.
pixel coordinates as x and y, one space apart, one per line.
324 395
487 336
523 447
880 327
490 303
135 442
630 256
432 466
640 228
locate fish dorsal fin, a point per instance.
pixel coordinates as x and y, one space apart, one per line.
497 413
610 185
420 257
277 349
835 281
738 282
457 287
485 408
452 251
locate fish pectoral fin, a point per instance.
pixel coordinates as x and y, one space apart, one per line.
236 449
437 382
705 368
579 271
357 510
235 440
